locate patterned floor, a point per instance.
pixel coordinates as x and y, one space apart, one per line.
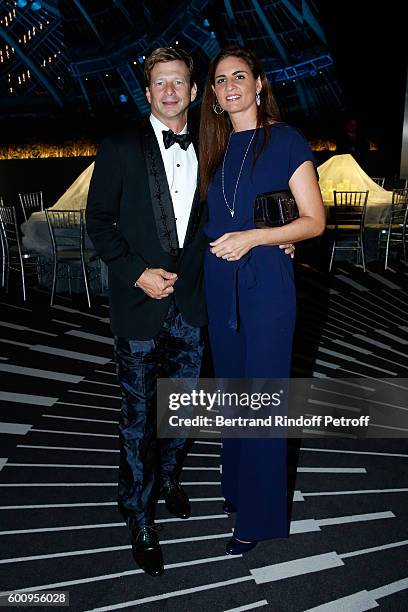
59 527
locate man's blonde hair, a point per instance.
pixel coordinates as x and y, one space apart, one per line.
167 54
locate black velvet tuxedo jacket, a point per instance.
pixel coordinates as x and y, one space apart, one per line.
130 221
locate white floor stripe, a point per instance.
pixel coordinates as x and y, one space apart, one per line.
391 336
108 373
390 588
207 442
351 452
65 323
374 315
64 465
120 525
51 350
251 606
97 504
70 418
98 382
331 470
296 567
118 397
364 551
204 484
353 347
16 307
58 484
102 577
203 455
61 403
196 589
93 337
352 283
15 343
380 345
202 469
355 518
359 398
94 551
357 602
349 358
18 429
352 492
326 364
383 280
24 328
217 536
69 448
74 311
3 461
303 566
36 373
73 433
22 398
314 402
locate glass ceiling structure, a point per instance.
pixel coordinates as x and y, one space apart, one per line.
87 56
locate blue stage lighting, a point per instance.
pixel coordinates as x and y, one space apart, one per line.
36 5
206 23
123 98
21 3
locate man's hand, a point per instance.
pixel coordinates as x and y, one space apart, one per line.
289 249
156 283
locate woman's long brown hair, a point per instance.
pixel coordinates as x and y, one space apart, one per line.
215 129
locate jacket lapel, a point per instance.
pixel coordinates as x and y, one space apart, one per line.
160 194
196 207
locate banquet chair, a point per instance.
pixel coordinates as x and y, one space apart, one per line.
380 180
31 202
348 223
14 257
68 248
397 231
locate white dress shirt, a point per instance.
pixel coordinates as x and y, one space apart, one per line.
181 172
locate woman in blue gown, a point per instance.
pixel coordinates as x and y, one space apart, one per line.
246 150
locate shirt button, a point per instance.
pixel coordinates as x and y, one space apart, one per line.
176 191
178 165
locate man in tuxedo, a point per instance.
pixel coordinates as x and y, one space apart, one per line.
146 223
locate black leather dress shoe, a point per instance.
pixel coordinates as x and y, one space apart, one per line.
176 499
147 550
228 507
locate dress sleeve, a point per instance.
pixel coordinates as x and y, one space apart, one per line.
299 152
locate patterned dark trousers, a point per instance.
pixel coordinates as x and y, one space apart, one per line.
145 460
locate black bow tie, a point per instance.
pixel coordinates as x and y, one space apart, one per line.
169 138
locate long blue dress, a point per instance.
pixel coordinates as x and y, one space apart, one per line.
252 311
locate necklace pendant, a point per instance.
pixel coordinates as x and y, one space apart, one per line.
232 212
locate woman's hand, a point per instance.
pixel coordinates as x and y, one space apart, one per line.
233 245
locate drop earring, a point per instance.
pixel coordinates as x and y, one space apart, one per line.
217 108
258 98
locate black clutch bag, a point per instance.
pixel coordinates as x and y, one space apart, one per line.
274 209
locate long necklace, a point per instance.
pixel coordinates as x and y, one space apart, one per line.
232 208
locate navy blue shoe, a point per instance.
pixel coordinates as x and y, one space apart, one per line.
235 547
228 507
